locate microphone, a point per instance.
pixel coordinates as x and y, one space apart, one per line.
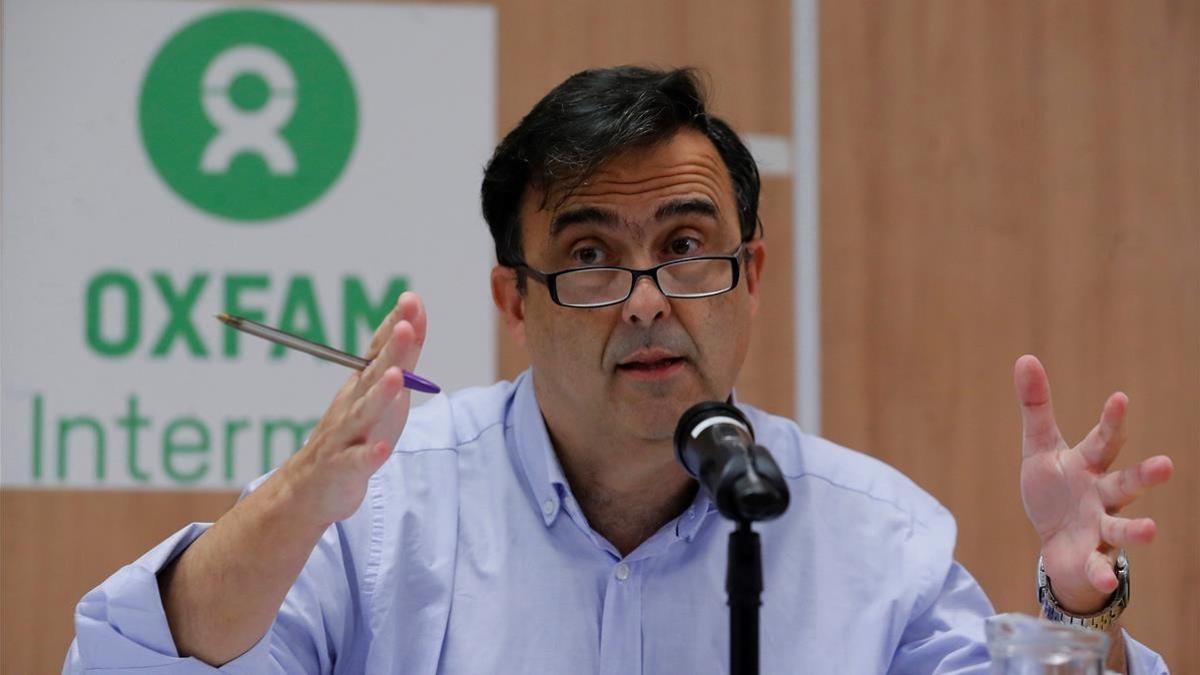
715 444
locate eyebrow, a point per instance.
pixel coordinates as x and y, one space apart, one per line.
599 216
686 207
586 214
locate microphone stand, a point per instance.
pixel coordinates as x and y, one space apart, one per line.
744 583
715 443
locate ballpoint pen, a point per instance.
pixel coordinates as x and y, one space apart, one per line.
411 381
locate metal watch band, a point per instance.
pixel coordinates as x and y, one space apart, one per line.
1100 620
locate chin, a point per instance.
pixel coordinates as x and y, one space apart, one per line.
656 418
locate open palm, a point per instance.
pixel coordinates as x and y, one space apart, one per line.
1072 498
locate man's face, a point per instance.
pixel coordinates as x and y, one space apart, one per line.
640 364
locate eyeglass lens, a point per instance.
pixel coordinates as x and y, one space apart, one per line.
686 278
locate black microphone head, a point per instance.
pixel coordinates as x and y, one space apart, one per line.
760 494
715 444
700 412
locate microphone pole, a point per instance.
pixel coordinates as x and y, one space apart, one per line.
743 583
715 444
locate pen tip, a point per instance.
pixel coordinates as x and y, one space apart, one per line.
418 383
225 318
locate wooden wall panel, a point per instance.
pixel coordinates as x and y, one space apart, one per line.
57 545
1008 177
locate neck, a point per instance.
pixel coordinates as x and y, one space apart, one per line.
627 487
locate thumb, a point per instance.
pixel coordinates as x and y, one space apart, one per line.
1039 429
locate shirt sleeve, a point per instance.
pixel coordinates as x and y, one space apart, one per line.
121 625
947 636
1141 660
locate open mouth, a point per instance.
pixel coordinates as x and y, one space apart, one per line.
651 366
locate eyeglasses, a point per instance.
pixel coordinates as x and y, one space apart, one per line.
587 287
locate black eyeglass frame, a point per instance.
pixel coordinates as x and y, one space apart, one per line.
550 279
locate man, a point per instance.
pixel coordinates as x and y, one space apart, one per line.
543 525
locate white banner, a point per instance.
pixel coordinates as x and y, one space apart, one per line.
296 163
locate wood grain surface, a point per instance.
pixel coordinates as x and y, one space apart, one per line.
1008 177
59 544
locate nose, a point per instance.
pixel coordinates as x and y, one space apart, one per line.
646 304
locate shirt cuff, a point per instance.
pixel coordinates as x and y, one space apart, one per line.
121 624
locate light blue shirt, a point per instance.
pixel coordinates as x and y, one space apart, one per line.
470 555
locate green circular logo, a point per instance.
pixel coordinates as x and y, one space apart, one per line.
248 115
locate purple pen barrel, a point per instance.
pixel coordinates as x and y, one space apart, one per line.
418 383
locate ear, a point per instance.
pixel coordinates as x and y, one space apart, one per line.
752 271
509 301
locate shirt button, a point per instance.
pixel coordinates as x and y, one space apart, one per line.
548 506
622 572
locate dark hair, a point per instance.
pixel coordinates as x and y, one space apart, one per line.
590 118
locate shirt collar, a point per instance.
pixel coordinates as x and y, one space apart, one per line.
544 473
689 522
535 452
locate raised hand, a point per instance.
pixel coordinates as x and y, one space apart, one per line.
223 592
1072 498
356 434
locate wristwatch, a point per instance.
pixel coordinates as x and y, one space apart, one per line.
1102 619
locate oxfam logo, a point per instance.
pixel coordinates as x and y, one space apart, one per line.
248 115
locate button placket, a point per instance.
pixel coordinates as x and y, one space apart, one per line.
621 622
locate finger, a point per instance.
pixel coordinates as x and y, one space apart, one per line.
412 310
1039 430
341 401
400 333
383 331
404 343
370 456
1100 573
398 350
345 394
1100 447
1123 532
1119 488
368 409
